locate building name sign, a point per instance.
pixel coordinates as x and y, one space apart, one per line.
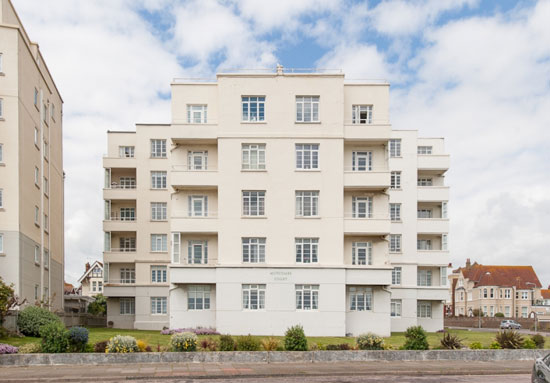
281 275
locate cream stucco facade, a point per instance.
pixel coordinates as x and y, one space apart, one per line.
281 208
31 168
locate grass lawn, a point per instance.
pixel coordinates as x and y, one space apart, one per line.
154 338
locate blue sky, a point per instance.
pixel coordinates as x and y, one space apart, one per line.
475 72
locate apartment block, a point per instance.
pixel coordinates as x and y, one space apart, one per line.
274 199
31 168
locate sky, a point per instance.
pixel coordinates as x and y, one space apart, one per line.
474 72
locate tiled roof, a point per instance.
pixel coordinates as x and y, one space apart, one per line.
545 294
522 277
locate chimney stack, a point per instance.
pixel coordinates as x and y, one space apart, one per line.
87 266
468 264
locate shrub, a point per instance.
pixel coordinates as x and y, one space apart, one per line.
499 315
227 343
295 339
122 344
248 343
369 341
30 348
477 313
494 345
32 318
3 332
475 346
7 349
101 346
208 344
78 339
142 345
416 339
451 342
509 339
197 331
270 344
7 300
99 306
55 337
184 342
338 347
539 340
529 343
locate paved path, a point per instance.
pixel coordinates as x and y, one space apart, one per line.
341 372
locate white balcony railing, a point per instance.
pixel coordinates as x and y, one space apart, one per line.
185 214
122 219
121 250
114 185
121 281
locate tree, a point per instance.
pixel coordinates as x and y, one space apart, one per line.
7 299
99 306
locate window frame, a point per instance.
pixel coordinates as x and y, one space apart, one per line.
306 250
127 275
1 243
314 102
199 291
356 247
307 201
202 109
424 309
357 156
395 212
357 202
395 180
159 211
197 154
424 181
159 305
355 294
249 205
126 151
395 245
159 239
395 147
247 292
201 200
159 274
310 290
159 179
424 278
127 306
307 157
424 150
158 148
249 149
192 258
396 274
247 246
259 102
356 114
396 307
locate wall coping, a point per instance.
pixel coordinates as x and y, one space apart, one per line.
17 360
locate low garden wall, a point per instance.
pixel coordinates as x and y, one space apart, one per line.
268 357
69 319
491 322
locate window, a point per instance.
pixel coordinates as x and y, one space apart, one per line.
158 148
197 206
94 286
423 309
424 150
100 286
197 160
361 253
444 242
253 250
307 156
424 278
158 180
307 297
395 308
484 293
361 114
395 243
36 137
96 272
127 275
36 176
307 250
197 252
1 243
491 293
36 97
158 274
158 305
395 147
159 243
524 312
36 288
253 203
126 151
127 306
396 276
1 153
444 210
424 213
196 114
524 295
361 207
158 211
45 113
253 297
307 108
127 182
46 186
361 161
307 203
198 298
425 181
1 198
395 211
127 213
424 244
52 111
37 254
253 108
176 245
443 274
127 244
507 294
36 216
46 150
395 180
507 311
253 156
360 298
46 222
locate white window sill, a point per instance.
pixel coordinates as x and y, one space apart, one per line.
37 147
253 170
155 220
396 252
254 216
2 74
307 170
36 224
159 252
396 157
2 254
2 164
396 221
395 189
253 122
307 122
159 315
306 217
307 311
158 158
150 189
36 263
37 186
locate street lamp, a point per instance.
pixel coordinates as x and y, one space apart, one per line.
532 302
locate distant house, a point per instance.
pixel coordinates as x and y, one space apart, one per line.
74 301
91 282
510 290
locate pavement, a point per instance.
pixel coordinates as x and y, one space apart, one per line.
337 372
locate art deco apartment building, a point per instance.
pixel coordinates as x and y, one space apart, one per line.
31 168
274 199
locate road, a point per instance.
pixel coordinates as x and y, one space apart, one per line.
490 329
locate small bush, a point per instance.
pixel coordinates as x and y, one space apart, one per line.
509 339
55 338
529 343
184 342
248 343
3 332
539 340
270 344
7 349
78 339
227 343
338 347
32 318
499 315
142 345
121 344
494 345
101 346
208 344
30 348
295 339
451 342
475 346
369 341
416 339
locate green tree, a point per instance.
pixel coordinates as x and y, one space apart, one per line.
7 299
99 306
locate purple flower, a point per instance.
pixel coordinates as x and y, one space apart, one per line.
7 349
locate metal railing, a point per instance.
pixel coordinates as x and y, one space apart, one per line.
121 250
185 214
114 185
373 217
122 219
378 169
121 281
185 168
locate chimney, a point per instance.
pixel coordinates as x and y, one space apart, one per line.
88 266
468 264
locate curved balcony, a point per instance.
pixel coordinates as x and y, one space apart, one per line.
375 225
182 178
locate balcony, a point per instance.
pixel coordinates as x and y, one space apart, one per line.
192 274
119 162
432 293
438 162
433 193
372 180
181 178
181 222
432 225
182 133
368 276
378 225
116 223
367 132
119 255
116 191
119 290
433 257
